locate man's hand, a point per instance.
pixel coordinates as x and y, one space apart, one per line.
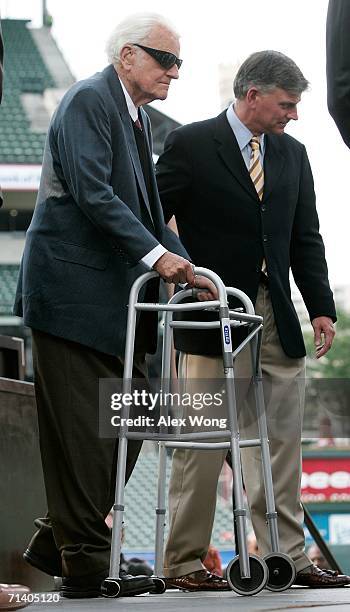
201 282
324 333
175 269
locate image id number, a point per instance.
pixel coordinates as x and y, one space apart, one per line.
34 598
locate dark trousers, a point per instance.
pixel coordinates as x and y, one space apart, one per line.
79 467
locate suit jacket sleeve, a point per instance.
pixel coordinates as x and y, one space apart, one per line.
1 79
307 252
1 61
168 238
84 149
338 65
174 162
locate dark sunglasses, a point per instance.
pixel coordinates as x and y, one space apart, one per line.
164 58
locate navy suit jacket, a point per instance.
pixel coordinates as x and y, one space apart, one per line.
203 180
93 221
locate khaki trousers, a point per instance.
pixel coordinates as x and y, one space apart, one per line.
194 476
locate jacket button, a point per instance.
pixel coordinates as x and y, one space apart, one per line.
263 208
257 269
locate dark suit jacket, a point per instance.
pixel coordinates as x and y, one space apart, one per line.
203 180
338 65
92 223
1 61
1 81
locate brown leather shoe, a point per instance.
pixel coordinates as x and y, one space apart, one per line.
198 581
321 579
10 596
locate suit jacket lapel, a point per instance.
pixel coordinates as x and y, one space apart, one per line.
231 155
157 211
128 131
274 161
130 139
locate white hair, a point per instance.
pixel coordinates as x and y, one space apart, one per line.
134 29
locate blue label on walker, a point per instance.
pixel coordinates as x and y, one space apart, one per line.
226 331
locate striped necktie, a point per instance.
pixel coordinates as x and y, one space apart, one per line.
257 175
255 168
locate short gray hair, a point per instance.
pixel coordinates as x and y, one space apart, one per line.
267 70
134 29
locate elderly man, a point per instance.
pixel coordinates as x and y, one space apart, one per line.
97 226
242 194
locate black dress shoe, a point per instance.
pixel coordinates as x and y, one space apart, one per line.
81 587
48 566
135 585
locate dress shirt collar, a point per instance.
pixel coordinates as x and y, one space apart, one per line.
242 133
133 112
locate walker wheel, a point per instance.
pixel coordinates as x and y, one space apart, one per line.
111 587
247 586
281 571
159 586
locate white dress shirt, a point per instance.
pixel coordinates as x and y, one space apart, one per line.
244 136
